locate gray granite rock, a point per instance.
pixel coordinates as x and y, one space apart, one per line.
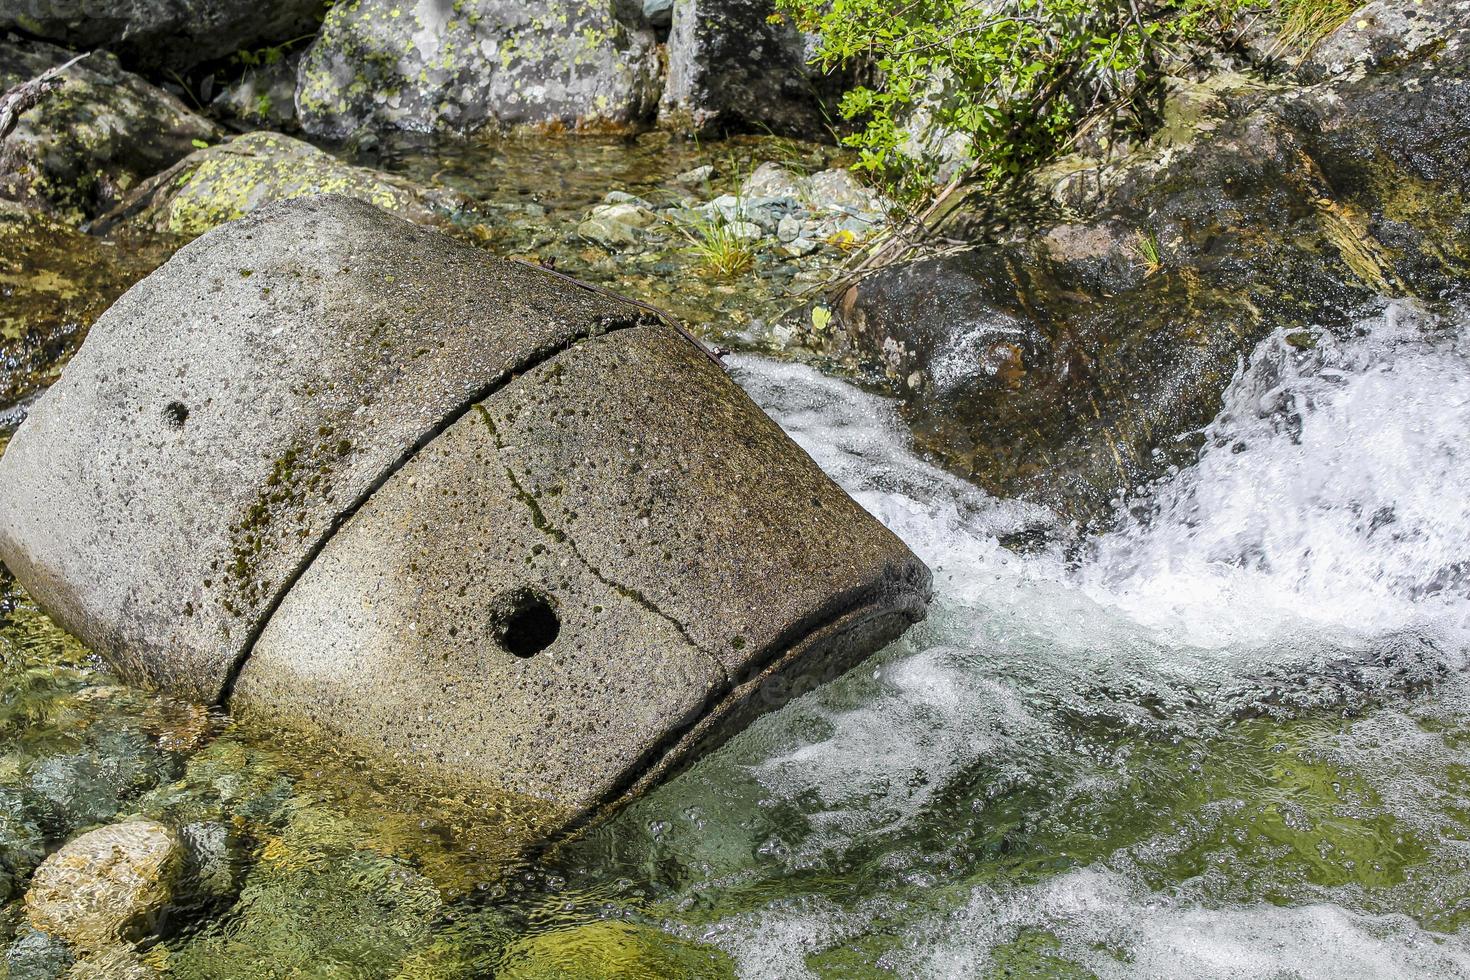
731 67
173 34
227 411
632 539
497 526
427 67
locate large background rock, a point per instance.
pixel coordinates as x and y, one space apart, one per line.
93 137
731 68
1057 364
163 33
429 65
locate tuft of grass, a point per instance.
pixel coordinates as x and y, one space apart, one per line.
1146 247
1305 22
720 250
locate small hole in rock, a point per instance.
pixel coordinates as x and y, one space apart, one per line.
524 622
175 414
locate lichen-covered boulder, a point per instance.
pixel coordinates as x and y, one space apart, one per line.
733 67
430 66
224 182
93 137
331 468
166 34
1072 362
108 886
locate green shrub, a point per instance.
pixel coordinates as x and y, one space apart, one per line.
1015 78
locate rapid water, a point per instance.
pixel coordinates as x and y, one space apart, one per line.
1230 738
1226 739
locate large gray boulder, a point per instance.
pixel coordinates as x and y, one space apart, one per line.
330 468
434 66
153 34
95 136
732 67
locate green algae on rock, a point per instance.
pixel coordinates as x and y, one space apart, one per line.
221 183
92 138
474 63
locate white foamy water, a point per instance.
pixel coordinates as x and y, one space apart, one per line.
1317 555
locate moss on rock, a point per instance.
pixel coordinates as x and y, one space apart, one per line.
226 182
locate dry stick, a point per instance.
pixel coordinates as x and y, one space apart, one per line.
24 96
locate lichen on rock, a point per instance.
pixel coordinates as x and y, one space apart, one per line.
225 182
427 66
92 138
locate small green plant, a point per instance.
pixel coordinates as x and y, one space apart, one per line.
721 251
1146 247
1305 22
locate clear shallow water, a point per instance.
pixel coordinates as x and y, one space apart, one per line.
1228 739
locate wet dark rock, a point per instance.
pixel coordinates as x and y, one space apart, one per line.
264 97
435 67
732 69
94 137
461 512
36 956
1072 360
164 34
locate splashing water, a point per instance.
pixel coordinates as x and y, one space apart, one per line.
1228 741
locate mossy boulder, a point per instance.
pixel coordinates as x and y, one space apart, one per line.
92 138
164 34
224 182
1075 356
475 63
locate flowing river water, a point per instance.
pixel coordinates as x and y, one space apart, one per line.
1228 738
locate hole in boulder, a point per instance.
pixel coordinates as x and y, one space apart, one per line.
524 622
175 414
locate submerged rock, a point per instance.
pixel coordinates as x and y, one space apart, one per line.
1072 362
174 34
93 137
429 67
733 67
225 182
497 525
106 887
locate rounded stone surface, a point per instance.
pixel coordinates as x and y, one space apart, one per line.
106 886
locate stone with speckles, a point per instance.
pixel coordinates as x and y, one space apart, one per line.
337 471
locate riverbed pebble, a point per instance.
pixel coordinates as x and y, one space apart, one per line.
107 886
